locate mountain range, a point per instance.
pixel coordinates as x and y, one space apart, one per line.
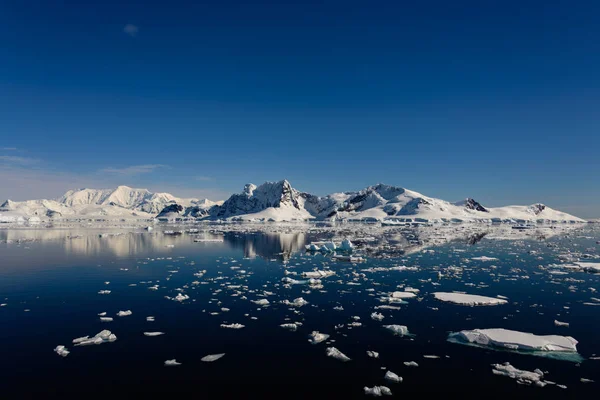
273 201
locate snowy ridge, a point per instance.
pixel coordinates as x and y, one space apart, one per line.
121 203
277 201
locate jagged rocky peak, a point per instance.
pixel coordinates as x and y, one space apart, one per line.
474 205
537 208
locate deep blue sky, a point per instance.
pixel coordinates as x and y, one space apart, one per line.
496 100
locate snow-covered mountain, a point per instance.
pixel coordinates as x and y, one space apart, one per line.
274 201
279 201
120 203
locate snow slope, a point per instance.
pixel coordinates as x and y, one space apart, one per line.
120 203
279 201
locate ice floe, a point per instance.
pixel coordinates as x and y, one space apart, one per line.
172 363
373 354
124 313
534 378
378 391
377 316
392 377
316 337
101 337
233 326
61 351
468 299
298 302
151 334
399 330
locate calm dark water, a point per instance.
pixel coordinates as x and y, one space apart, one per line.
57 278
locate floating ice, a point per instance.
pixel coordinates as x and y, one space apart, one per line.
104 292
124 313
261 302
101 337
558 323
399 330
106 319
392 377
402 295
377 316
335 353
562 347
523 377
468 299
484 258
373 354
318 274
151 334
411 364
212 357
378 391
61 351
291 327
233 326
316 337
347 245
102 314
171 363
589 266
299 302
150 319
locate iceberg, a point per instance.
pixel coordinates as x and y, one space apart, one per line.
335 353
553 346
171 363
101 337
152 334
373 354
318 274
212 357
399 330
106 319
316 337
290 327
124 313
392 377
299 302
233 326
61 351
261 302
377 316
523 377
468 299
378 391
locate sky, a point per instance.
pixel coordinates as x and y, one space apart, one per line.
494 100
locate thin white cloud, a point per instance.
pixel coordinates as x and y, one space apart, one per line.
16 160
131 29
132 170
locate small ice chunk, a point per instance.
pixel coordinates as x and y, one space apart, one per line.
104 292
373 354
101 337
378 391
61 351
181 297
102 314
484 258
411 364
151 334
261 302
150 319
399 330
171 363
347 245
392 377
106 319
212 357
291 327
585 380
124 313
523 377
377 316
233 326
318 274
402 295
558 323
335 353
299 302
316 337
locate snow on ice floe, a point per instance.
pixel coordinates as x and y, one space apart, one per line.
172 363
212 357
290 327
318 274
298 302
377 316
335 353
104 292
534 378
377 391
180 297
316 337
392 377
261 302
61 351
563 324
554 346
152 334
468 299
101 337
484 258
233 326
398 330
589 266
124 313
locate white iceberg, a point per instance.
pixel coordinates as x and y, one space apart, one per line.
101 337
261 302
554 346
104 292
299 302
392 377
152 334
233 326
399 330
61 351
411 364
318 274
106 319
378 391
563 324
316 337
212 357
290 327
124 313
373 354
335 353
377 316
171 363
523 377
468 299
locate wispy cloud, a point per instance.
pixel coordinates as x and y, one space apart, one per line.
16 160
132 170
131 29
